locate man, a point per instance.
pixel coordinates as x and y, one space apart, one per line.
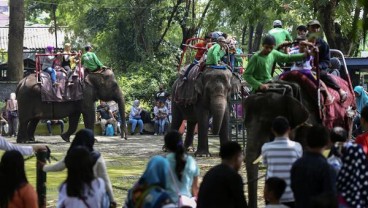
311 175
363 138
55 122
90 60
215 53
280 154
161 95
324 58
281 35
301 30
259 69
222 186
106 117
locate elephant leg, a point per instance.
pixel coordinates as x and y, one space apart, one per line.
73 124
190 134
224 131
202 148
22 136
177 118
253 150
32 125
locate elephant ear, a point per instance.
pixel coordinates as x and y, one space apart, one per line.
198 85
297 114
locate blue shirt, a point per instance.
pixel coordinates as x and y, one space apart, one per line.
191 170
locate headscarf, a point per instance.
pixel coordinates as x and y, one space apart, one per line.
352 180
136 103
85 138
156 172
362 100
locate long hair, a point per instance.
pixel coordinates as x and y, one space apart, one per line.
12 176
80 173
85 138
174 143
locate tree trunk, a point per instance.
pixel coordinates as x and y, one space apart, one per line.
258 37
250 40
16 35
327 16
244 31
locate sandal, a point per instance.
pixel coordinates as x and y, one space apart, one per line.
343 97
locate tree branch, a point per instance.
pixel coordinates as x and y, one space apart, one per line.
204 14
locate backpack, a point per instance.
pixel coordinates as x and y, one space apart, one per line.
109 130
143 196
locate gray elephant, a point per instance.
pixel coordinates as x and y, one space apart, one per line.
31 110
213 88
260 111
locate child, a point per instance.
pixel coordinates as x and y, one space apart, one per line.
280 154
274 188
161 117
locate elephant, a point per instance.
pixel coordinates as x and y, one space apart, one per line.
261 109
102 86
213 88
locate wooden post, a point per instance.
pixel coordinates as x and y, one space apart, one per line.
41 178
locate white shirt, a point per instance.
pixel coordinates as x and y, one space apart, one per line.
24 150
300 65
93 196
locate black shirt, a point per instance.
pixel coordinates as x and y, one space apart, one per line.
311 176
324 54
221 187
104 111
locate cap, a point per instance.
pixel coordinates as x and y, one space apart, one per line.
87 47
302 27
50 48
222 39
314 22
277 23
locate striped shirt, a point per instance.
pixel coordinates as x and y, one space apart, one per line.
279 157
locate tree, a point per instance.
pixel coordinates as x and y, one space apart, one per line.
16 35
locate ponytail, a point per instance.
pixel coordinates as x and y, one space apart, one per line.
174 143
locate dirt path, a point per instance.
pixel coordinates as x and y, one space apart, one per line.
126 160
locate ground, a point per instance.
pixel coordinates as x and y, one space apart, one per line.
126 160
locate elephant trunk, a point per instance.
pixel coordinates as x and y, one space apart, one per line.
123 125
218 107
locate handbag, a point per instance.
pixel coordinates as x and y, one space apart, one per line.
184 201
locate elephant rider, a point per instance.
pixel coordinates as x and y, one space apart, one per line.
215 53
259 69
47 64
281 35
90 61
324 58
201 48
67 62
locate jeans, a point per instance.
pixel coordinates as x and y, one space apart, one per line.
13 125
134 123
52 73
160 123
49 123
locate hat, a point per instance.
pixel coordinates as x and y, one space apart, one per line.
302 27
221 39
277 23
87 47
50 48
314 22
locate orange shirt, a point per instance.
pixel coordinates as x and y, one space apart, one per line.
24 197
363 141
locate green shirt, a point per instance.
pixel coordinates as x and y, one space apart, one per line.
214 55
91 62
259 67
281 35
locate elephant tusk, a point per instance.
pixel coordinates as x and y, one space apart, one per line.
258 160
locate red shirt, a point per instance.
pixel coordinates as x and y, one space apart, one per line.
200 52
363 141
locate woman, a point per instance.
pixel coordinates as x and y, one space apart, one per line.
183 166
154 180
67 62
15 191
161 113
85 137
135 117
361 99
48 63
81 188
12 108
